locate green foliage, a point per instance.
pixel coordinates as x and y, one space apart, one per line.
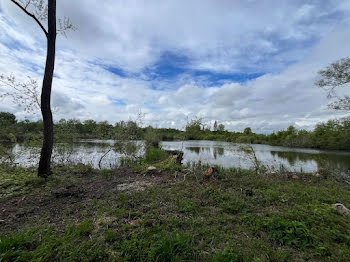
193 129
162 248
247 131
155 154
186 205
334 134
228 255
16 246
48 245
84 228
230 204
176 247
7 119
18 181
111 236
291 233
336 75
184 220
152 137
169 164
221 128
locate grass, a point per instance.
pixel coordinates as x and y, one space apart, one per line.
155 155
234 216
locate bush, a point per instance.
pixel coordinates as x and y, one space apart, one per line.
155 154
152 138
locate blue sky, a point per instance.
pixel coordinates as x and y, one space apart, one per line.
240 62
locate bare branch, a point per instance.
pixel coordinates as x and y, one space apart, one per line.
24 9
22 93
64 25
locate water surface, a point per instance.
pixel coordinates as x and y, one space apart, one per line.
224 154
228 155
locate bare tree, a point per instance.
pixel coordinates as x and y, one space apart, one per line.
22 93
41 11
334 76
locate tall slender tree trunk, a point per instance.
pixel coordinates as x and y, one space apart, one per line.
44 169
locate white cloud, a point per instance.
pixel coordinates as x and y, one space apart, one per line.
289 40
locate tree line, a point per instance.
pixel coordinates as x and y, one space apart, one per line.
334 134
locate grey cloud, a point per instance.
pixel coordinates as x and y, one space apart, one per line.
65 104
218 36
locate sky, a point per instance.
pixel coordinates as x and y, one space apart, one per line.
239 62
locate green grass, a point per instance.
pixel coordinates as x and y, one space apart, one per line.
195 219
155 154
18 181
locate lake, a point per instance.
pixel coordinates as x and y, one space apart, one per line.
224 154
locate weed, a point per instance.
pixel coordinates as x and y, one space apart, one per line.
230 204
176 247
227 255
111 236
291 233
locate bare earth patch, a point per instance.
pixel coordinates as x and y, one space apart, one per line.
68 198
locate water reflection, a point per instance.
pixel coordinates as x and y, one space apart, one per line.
215 152
194 149
228 155
210 152
335 160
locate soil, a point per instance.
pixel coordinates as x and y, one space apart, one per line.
68 199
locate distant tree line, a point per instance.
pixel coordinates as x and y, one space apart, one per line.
12 130
334 134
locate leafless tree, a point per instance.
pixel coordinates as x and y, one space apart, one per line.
43 11
334 76
22 93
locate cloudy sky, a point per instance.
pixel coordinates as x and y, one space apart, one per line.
240 62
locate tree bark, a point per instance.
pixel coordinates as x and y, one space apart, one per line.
44 169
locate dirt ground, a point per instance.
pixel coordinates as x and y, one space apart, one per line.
69 198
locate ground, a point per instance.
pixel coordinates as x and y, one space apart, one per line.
176 214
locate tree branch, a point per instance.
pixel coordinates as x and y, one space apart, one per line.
31 15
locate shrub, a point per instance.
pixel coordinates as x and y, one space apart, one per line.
152 137
169 164
155 154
